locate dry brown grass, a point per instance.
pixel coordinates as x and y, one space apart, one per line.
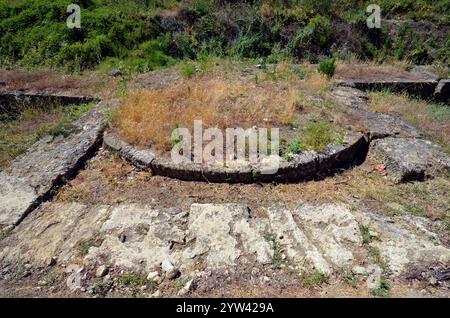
147 118
432 119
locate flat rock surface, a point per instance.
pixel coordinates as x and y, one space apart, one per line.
46 164
325 237
409 159
377 125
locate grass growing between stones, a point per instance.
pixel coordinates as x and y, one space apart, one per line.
313 279
133 280
432 119
34 123
277 258
4 233
382 290
85 245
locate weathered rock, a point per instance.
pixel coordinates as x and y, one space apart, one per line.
54 229
153 276
350 97
17 198
409 159
211 227
116 73
102 270
298 247
442 91
380 125
32 177
331 227
169 269
186 288
156 294
402 244
324 237
150 234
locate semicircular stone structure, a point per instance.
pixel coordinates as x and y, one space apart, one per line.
303 166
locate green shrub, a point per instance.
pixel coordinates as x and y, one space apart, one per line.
313 38
327 66
187 70
318 133
252 46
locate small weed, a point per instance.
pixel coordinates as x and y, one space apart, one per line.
375 254
277 259
133 280
101 288
84 246
350 279
187 70
5 233
313 279
327 67
318 133
49 279
296 147
382 290
365 233
179 283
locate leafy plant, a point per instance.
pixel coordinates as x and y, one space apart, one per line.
327 67
382 290
313 279
277 259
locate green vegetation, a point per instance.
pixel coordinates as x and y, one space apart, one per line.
318 133
133 280
350 279
187 70
327 67
315 135
277 259
313 279
4 233
49 279
85 245
382 290
139 36
365 233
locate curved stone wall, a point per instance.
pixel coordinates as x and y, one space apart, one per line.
303 166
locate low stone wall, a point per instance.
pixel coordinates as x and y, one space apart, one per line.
303 166
425 89
12 103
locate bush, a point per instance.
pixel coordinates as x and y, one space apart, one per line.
327 67
313 38
187 70
252 46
